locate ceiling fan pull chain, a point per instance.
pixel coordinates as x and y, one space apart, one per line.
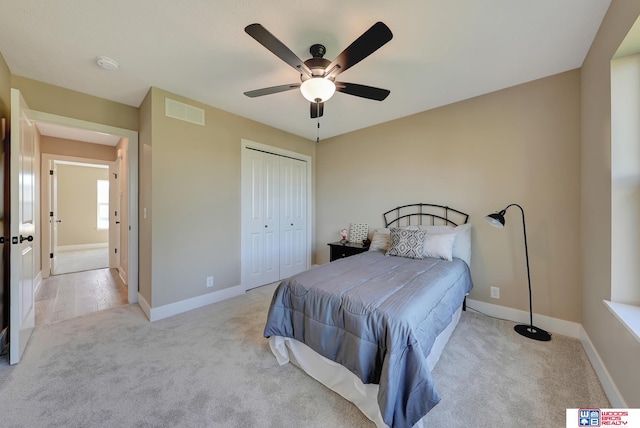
318 137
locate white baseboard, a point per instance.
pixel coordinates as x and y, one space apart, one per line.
566 328
97 245
122 275
144 305
553 325
614 396
166 311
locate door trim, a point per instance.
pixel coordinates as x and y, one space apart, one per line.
132 166
247 144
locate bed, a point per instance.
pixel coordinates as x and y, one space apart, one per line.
372 326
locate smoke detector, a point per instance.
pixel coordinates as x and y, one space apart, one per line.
107 63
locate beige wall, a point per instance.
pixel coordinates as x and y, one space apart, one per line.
518 145
5 89
123 192
194 198
52 99
78 149
618 349
77 205
145 221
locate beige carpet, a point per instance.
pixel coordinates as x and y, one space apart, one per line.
211 367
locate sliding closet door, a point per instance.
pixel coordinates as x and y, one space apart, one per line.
293 216
261 219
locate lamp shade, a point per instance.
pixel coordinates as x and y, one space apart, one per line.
496 219
317 89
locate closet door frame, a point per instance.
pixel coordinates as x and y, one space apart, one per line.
251 145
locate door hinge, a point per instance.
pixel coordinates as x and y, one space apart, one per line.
50 255
50 213
50 172
115 250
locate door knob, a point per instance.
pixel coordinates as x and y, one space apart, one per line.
58 221
28 238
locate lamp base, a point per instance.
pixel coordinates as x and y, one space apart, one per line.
533 332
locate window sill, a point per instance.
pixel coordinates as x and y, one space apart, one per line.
629 316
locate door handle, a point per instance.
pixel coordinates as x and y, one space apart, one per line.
28 238
58 221
117 222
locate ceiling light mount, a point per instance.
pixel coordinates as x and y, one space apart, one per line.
107 63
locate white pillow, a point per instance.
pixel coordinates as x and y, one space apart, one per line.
462 243
381 240
439 246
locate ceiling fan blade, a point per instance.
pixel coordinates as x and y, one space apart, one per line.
317 109
369 42
269 41
362 91
271 90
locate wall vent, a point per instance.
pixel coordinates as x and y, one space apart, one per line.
182 111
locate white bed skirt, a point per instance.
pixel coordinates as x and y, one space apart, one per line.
337 378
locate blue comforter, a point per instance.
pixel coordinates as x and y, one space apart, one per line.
378 316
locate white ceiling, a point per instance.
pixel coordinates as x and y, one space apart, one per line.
442 51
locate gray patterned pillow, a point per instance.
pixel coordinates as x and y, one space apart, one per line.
407 243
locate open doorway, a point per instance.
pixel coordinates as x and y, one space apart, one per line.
79 223
93 155
81 198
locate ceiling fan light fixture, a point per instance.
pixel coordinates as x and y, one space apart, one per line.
317 88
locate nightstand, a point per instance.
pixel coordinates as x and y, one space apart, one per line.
340 250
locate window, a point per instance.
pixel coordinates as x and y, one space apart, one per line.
103 204
625 183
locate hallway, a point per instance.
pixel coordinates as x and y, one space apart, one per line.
67 296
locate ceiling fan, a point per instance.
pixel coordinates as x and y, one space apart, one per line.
317 75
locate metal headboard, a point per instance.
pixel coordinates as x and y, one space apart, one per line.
416 214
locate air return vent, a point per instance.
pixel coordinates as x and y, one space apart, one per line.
182 111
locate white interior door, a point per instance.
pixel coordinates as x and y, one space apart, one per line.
22 264
275 219
260 246
293 216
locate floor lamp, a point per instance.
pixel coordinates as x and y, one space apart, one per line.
530 331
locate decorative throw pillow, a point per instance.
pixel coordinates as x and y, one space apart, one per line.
439 246
380 241
407 243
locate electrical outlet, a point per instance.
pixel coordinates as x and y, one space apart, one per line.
209 281
495 292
